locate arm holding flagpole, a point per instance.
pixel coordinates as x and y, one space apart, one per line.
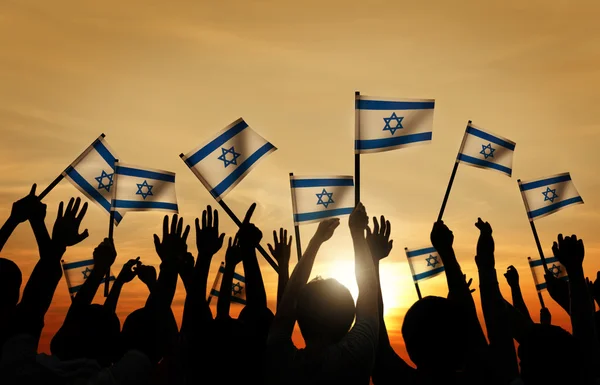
451 181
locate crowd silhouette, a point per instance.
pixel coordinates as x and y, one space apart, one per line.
346 343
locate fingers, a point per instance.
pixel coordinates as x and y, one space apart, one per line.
271 249
209 216
229 243
369 233
186 232
32 191
179 227
388 228
60 210
216 220
174 221
197 223
560 238
69 206
221 237
290 242
204 224
282 237
376 225
82 212
156 242
165 226
275 237
555 249
75 207
83 235
249 213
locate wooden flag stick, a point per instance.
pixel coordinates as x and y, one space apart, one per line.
413 275
533 229
296 227
451 181
111 228
356 154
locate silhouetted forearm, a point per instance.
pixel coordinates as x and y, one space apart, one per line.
283 276
518 301
164 290
113 297
256 295
224 300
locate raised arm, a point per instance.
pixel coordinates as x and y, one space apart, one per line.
22 210
249 238
104 256
281 252
127 274
512 277
233 257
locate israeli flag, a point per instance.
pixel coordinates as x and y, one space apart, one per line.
143 189
320 197
238 287
554 268
223 162
424 263
548 195
92 173
483 149
77 272
389 124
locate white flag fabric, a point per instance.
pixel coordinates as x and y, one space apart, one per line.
315 198
92 173
384 124
224 161
548 195
77 272
554 267
483 149
143 189
424 263
238 287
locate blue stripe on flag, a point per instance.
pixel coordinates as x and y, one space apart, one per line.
538 262
92 192
392 105
543 285
484 163
391 142
145 205
545 182
416 253
322 214
241 170
490 137
104 153
215 143
427 274
235 275
74 265
215 293
545 210
120 170
75 289
298 183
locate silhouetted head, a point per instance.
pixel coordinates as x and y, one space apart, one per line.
435 334
257 320
92 332
550 355
10 284
325 311
148 332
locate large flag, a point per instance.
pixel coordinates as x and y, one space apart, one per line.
77 272
143 189
547 195
554 268
424 263
316 198
92 173
238 286
389 124
483 149
224 161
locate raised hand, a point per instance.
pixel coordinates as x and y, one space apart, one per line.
282 249
569 251
468 283
545 316
129 270
173 242
146 274
234 254
28 207
485 245
359 220
104 256
185 267
208 239
379 239
512 276
326 229
441 237
66 227
249 235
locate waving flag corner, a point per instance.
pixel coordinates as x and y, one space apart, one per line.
481 148
424 263
315 198
545 196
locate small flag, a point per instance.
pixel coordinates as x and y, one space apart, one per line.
143 189
77 272
238 286
224 161
486 150
424 263
316 198
389 124
92 173
547 195
554 268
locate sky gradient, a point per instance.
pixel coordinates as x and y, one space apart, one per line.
160 78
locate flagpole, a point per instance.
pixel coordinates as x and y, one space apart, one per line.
535 281
356 154
214 286
451 181
533 229
59 178
62 263
413 274
236 220
296 227
111 225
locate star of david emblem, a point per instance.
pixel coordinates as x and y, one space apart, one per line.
396 125
101 180
144 186
549 195
236 289
86 273
327 202
555 270
432 260
487 151
227 160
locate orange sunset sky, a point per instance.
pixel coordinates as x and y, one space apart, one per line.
159 78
